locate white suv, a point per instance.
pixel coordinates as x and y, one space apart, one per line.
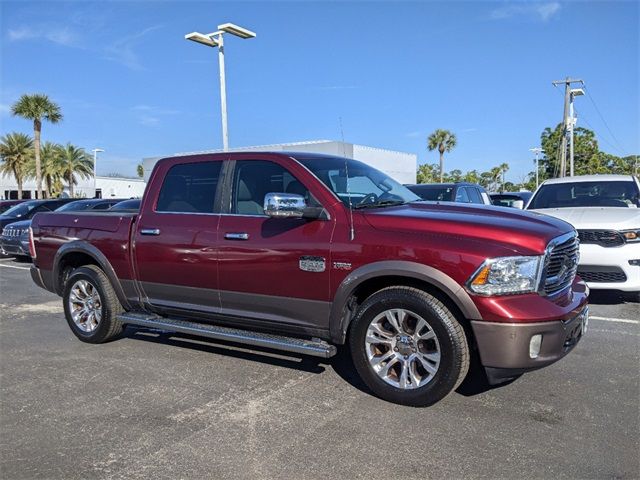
605 210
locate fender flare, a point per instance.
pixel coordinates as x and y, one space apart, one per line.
82 246
339 322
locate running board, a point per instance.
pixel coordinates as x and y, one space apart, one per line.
316 348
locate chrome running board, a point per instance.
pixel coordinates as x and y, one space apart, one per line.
316 348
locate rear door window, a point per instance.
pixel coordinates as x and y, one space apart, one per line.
190 188
461 195
474 195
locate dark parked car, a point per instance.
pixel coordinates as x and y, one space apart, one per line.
7 204
271 250
511 199
15 236
460 192
131 205
26 210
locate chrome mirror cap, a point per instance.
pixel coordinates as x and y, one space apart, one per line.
284 205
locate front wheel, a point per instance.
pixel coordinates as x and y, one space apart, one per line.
408 347
91 305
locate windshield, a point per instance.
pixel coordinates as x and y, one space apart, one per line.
127 205
365 187
623 194
72 206
21 209
435 194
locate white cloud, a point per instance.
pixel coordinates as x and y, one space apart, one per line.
150 116
543 11
414 134
122 51
59 35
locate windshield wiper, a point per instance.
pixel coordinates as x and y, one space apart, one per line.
382 203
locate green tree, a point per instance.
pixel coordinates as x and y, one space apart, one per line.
37 107
74 161
586 152
443 141
504 167
140 170
16 150
52 168
427 173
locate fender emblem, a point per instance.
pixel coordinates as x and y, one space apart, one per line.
312 264
342 265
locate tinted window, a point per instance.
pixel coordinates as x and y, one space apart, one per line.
189 188
461 195
254 179
21 209
133 204
103 206
474 195
586 194
432 193
73 206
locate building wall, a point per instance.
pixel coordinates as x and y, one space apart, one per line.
111 187
398 165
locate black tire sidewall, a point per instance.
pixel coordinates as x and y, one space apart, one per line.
448 372
99 334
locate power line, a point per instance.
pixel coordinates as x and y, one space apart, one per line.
603 120
603 138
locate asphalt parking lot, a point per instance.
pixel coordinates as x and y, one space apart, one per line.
157 406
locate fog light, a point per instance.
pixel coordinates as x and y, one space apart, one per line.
534 345
635 262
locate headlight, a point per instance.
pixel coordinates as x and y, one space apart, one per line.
631 236
507 275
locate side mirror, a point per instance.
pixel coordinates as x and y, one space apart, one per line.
284 205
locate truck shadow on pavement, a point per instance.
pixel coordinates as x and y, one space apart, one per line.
475 382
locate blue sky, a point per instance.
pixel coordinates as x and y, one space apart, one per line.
128 82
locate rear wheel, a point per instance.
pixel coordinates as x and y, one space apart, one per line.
408 347
91 305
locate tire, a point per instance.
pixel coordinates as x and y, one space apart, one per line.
439 344
103 326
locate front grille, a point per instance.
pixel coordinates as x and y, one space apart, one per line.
561 264
604 238
602 274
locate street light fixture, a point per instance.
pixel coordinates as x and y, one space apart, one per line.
95 165
537 151
215 39
574 92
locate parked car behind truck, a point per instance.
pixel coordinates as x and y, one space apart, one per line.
280 250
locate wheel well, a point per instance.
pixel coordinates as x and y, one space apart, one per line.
70 262
373 285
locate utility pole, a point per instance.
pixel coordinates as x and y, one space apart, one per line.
566 120
537 151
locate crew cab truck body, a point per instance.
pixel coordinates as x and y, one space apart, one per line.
303 252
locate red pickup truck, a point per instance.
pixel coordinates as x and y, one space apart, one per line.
303 252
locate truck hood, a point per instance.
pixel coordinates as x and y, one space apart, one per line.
527 233
597 218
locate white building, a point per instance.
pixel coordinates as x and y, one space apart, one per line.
398 165
103 187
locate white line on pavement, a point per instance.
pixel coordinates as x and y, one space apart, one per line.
13 266
617 320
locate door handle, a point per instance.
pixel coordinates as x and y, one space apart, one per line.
150 231
236 236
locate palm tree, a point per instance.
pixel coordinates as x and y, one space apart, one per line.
74 161
37 107
52 168
503 168
140 170
443 141
16 149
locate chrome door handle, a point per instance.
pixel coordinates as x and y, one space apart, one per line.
236 236
149 231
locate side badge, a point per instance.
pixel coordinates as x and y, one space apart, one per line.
342 265
312 264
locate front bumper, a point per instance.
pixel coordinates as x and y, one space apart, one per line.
592 255
14 246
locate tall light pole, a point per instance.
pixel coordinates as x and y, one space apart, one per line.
95 168
216 39
565 120
574 92
537 151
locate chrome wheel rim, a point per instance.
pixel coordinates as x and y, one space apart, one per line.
85 306
402 349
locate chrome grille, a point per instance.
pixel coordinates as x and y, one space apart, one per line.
604 238
561 263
